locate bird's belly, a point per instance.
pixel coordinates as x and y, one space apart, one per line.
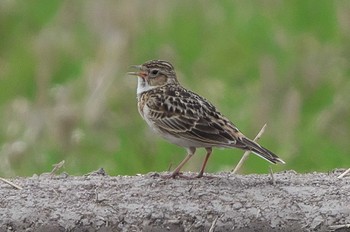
182 142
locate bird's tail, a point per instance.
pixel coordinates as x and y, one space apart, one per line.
261 151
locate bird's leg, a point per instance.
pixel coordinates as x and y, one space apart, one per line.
209 150
190 153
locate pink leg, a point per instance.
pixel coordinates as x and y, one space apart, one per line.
190 153
209 150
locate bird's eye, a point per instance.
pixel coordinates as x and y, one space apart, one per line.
154 72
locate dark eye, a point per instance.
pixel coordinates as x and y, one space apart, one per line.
154 72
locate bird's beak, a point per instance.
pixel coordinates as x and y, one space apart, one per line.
140 73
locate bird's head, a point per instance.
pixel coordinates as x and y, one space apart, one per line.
153 74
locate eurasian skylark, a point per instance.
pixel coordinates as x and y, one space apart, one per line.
185 118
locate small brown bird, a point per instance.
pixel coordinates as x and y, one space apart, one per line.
185 118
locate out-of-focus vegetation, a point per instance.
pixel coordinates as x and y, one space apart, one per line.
65 95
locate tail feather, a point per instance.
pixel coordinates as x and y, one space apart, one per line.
261 151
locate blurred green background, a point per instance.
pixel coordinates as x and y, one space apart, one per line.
65 95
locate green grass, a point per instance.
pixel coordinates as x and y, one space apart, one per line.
64 93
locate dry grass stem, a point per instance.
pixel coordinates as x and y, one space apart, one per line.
57 167
272 176
10 183
169 167
212 227
246 153
344 173
337 227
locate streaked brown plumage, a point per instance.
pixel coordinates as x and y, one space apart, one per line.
185 118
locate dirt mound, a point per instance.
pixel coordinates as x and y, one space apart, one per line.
217 202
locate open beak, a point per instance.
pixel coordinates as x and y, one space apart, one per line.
140 73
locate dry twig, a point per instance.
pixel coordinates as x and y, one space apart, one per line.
212 227
56 167
246 153
272 177
10 183
336 227
344 173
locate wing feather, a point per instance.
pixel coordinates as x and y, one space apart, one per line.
190 116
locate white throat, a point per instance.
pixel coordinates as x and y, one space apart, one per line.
142 86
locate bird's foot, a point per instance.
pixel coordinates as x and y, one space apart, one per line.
172 175
180 175
199 175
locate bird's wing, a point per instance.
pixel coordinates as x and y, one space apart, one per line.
185 114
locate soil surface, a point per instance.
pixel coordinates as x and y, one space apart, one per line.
216 202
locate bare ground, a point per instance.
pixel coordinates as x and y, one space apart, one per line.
217 202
